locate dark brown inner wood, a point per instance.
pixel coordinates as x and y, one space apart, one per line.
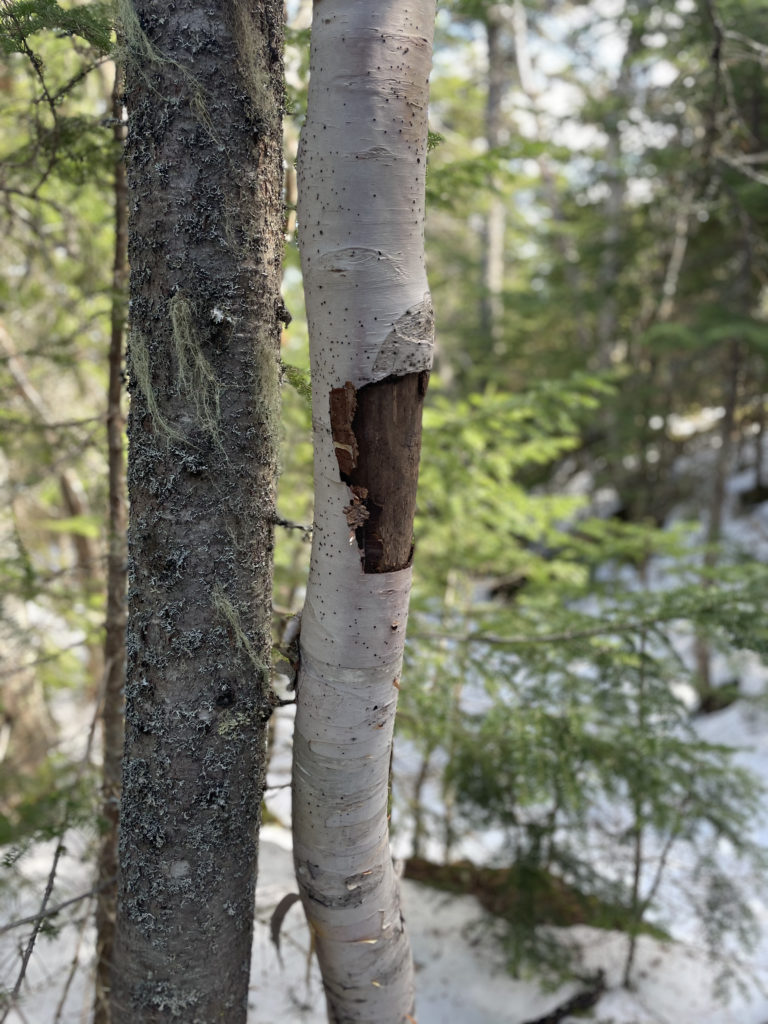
378 443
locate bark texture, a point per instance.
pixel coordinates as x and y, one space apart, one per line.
362 160
204 89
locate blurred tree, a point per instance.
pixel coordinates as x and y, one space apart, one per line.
112 715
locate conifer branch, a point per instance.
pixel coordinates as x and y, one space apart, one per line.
522 640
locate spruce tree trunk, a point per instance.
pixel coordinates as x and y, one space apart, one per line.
362 160
204 89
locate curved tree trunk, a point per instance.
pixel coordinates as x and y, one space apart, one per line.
204 89
362 159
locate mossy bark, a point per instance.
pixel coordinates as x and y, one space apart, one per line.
204 89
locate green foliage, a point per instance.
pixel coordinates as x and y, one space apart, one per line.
556 709
40 805
299 381
56 156
20 19
473 506
545 682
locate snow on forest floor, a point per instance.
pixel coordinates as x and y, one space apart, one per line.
460 970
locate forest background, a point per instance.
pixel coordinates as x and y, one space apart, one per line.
595 435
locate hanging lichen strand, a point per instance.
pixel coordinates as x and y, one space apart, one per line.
204 93
362 162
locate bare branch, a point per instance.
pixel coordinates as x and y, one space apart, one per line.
606 629
759 48
743 166
53 911
287 524
58 853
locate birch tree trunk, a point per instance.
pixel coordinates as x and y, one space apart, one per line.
204 90
362 160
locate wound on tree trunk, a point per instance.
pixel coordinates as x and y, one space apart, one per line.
377 439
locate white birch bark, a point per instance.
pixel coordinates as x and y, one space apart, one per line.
362 160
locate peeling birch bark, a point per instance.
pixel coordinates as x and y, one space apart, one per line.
362 160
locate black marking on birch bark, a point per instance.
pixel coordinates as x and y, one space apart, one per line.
334 900
376 433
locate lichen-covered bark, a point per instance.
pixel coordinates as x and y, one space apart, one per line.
362 159
204 89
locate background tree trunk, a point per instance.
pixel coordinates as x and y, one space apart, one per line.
117 553
204 88
492 305
362 160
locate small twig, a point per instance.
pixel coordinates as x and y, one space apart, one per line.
25 424
287 524
21 1015
84 71
53 911
43 659
28 950
537 638
661 865
75 963
722 74
739 37
58 853
282 785
744 168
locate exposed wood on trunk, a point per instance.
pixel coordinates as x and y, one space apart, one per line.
378 443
